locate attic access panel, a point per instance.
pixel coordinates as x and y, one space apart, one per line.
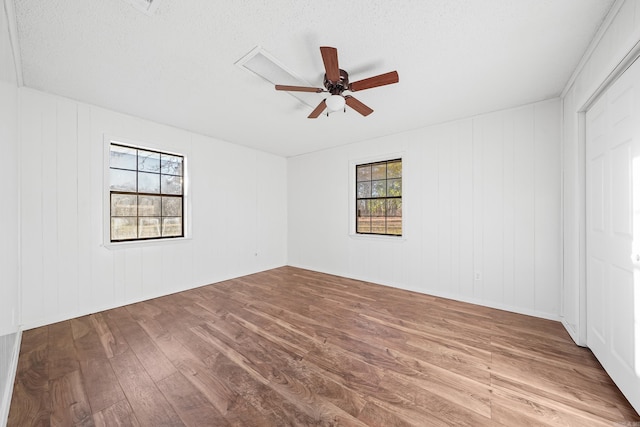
146 6
265 66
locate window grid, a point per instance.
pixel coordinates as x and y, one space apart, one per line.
146 215
379 198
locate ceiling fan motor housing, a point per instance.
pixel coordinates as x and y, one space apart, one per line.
338 82
336 88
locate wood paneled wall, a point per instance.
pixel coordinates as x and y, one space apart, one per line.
619 35
237 200
9 218
480 195
9 213
8 179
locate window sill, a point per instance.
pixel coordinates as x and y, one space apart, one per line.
145 243
381 237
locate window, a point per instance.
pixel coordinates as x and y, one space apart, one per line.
146 194
379 198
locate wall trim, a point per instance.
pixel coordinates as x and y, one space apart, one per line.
623 57
446 295
582 230
8 387
13 38
606 23
616 69
61 317
572 333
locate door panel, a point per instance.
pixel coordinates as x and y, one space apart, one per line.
622 298
596 292
597 194
620 198
613 231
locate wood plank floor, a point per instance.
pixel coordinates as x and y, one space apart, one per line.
294 347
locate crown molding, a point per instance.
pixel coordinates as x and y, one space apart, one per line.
606 23
10 11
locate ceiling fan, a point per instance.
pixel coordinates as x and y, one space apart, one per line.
336 82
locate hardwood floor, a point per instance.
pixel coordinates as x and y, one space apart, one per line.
294 347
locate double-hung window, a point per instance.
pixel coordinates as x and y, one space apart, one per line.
146 194
379 198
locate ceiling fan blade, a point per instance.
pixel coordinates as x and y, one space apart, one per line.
380 80
330 59
358 106
299 88
318 110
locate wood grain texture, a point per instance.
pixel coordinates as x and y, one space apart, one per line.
119 414
295 347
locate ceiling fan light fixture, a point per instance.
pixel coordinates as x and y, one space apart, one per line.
335 103
336 82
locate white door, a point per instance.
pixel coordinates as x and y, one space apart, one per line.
613 232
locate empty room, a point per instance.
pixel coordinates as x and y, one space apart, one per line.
279 213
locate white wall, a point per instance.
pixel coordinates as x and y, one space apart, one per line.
9 242
618 37
479 195
9 178
238 204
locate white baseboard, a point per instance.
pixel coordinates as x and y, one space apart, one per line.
575 336
8 387
447 295
31 323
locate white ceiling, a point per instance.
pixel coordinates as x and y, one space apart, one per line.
455 58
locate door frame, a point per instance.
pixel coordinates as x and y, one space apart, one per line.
580 336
